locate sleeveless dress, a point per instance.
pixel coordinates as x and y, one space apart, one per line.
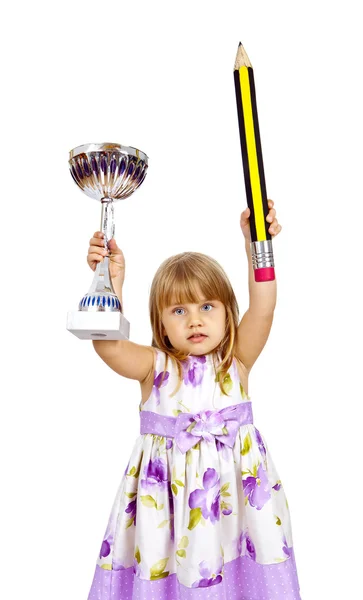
200 512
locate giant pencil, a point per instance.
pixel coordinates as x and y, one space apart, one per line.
261 243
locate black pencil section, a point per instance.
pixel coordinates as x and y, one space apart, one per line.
244 154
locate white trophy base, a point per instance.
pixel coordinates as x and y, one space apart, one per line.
98 325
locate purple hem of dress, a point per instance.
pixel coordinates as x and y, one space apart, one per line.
243 579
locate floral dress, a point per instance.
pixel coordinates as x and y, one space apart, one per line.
200 512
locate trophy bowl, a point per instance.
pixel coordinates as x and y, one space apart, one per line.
105 172
108 170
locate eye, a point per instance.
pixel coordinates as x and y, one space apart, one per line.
211 305
175 309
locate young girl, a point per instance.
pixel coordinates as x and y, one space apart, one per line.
200 512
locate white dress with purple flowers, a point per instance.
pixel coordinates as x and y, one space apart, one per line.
200 512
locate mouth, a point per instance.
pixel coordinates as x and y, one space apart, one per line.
197 336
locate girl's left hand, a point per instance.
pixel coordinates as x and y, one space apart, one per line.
274 228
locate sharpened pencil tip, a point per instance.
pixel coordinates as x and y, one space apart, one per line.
242 59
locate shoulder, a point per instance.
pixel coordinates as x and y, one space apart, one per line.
154 366
161 359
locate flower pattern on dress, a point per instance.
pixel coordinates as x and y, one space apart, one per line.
256 489
286 549
261 445
245 546
131 510
193 370
157 379
224 450
106 545
207 499
209 575
156 476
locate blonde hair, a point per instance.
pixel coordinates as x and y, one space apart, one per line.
176 281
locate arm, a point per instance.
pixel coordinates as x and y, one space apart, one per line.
255 326
124 357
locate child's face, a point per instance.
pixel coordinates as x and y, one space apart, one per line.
182 320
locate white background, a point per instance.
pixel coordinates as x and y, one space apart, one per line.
159 76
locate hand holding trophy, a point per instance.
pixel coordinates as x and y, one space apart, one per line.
97 253
105 172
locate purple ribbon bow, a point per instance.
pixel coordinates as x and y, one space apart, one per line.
207 424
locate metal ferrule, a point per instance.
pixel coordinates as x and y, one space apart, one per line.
262 254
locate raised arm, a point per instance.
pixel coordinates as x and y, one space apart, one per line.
255 326
126 358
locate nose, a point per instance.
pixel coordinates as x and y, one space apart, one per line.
195 319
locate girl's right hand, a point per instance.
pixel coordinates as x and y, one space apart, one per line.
97 252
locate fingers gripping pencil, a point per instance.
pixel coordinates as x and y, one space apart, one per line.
261 243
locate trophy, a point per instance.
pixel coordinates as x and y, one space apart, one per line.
105 172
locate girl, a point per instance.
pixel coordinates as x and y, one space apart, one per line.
200 512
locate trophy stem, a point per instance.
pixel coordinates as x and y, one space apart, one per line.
107 220
102 281
101 288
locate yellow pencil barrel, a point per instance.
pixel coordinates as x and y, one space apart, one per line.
261 243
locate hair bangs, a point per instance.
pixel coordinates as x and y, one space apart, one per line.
187 283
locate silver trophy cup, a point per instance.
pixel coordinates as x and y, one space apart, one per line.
105 172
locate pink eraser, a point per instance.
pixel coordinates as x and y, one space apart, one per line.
265 274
